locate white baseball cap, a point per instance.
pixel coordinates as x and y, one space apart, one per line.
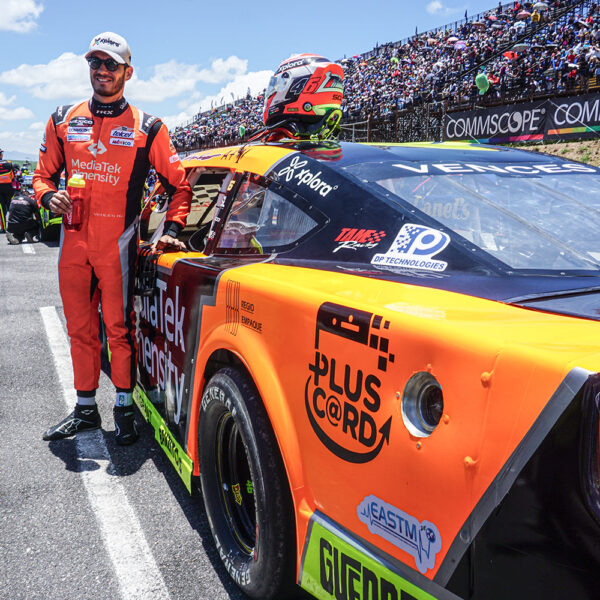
113 44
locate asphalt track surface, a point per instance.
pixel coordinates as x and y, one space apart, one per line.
83 518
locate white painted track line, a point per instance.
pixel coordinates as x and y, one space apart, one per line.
136 570
27 249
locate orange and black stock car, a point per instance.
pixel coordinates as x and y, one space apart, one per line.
381 363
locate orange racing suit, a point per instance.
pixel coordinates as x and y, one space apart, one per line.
112 146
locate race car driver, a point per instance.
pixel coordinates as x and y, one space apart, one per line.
111 144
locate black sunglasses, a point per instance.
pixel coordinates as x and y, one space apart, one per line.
110 63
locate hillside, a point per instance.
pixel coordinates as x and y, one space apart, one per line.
587 151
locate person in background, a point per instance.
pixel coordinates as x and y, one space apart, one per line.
111 145
23 220
7 188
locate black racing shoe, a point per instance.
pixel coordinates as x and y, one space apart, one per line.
32 238
125 430
83 418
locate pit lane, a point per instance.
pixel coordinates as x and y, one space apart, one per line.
53 542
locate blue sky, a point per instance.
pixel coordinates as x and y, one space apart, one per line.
186 54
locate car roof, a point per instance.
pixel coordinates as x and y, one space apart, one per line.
259 157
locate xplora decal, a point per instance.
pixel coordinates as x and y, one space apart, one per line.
342 401
297 172
166 315
420 540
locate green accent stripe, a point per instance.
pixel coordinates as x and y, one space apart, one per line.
336 564
179 459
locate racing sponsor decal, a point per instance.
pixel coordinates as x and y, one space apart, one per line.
122 136
457 209
207 156
232 307
414 247
331 83
86 130
298 173
238 311
173 158
123 132
292 65
105 40
73 137
236 493
421 540
96 148
121 142
179 459
94 170
81 121
166 315
504 169
342 400
334 566
352 239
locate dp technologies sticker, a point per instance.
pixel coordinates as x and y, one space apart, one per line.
414 247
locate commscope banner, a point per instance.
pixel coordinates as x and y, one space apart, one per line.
552 119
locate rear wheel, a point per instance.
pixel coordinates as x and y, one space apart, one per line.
245 488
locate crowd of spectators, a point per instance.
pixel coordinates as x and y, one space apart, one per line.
523 49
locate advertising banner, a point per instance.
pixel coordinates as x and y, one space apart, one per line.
553 119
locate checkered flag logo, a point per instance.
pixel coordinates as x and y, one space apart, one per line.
405 238
376 237
419 240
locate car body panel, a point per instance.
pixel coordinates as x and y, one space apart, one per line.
331 345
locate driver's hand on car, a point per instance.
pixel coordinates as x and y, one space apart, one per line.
60 203
169 243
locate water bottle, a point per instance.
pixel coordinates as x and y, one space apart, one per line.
73 219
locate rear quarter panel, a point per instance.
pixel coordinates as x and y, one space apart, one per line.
335 403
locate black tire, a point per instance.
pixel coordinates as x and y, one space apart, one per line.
245 489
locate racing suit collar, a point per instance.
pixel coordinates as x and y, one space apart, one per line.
112 109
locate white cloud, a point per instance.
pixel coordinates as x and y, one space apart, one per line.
20 15
11 113
172 79
64 77
257 81
435 7
67 77
27 141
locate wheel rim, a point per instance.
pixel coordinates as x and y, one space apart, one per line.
235 483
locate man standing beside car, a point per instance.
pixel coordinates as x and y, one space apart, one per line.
111 145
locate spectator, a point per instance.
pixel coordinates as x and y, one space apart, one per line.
23 220
8 184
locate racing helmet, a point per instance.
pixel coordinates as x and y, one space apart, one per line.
305 89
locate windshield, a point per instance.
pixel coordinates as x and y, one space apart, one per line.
543 221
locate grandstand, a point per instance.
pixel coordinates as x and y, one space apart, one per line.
404 90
